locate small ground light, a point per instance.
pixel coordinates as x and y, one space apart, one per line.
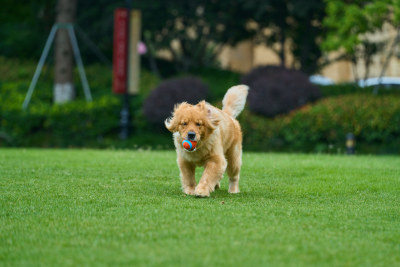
350 143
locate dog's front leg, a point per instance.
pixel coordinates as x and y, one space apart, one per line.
213 172
187 176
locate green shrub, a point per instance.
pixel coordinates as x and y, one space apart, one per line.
352 88
322 127
159 105
375 122
72 124
277 90
77 124
19 73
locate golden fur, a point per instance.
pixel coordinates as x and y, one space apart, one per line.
219 142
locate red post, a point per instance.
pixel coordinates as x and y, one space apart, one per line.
120 50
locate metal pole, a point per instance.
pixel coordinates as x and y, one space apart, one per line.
40 66
125 114
79 63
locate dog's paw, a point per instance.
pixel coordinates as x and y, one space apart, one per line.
233 188
189 191
236 191
201 191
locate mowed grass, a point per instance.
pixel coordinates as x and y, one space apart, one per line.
92 207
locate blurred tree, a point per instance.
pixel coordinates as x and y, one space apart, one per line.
25 27
95 20
194 32
349 22
295 24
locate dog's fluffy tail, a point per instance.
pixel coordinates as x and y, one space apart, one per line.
235 99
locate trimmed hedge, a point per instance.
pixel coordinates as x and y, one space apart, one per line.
74 124
77 124
317 127
322 127
352 88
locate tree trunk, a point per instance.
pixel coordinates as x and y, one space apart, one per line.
63 78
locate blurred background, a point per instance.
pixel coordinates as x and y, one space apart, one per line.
324 75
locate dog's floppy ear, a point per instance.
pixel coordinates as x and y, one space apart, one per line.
172 122
211 121
202 105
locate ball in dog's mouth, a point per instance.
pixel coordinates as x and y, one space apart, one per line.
189 145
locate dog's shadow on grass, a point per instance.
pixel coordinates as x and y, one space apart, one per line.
247 193
224 195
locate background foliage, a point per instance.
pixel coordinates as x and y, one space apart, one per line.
161 101
375 122
316 127
200 29
349 25
277 90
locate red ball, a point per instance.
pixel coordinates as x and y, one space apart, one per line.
189 145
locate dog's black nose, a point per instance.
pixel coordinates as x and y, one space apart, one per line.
191 135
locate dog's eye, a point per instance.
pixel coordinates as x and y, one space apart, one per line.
198 124
184 123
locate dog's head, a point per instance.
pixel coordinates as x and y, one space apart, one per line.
193 122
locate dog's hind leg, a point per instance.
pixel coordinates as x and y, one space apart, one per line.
187 176
234 157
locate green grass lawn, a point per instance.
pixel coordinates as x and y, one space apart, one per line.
92 207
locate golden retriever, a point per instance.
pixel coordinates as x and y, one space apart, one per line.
219 142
